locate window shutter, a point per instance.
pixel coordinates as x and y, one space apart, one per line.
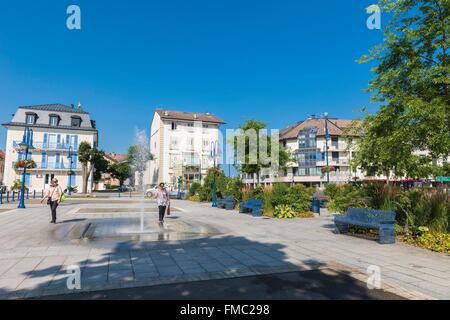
45 140
58 161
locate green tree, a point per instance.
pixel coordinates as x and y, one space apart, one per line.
120 171
412 86
206 191
252 160
90 158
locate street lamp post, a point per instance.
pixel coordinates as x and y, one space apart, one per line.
70 157
326 146
25 145
214 145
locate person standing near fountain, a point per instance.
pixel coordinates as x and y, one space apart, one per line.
53 196
163 201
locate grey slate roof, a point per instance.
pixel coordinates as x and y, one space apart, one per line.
57 107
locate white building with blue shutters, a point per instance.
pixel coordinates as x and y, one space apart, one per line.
58 130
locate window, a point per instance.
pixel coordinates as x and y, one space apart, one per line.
31 118
174 126
173 144
54 120
205 126
75 122
190 125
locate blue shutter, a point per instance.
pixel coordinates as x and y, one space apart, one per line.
29 155
58 161
44 161
27 180
45 144
67 141
58 141
75 142
74 161
20 156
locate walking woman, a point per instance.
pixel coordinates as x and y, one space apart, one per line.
163 201
53 195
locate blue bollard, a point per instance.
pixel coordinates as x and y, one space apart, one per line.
34 194
7 196
316 206
13 196
1 197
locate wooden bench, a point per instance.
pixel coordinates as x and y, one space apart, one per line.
372 219
252 205
226 203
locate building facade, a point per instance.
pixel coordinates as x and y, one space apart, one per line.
307 143
58 131
2 166
181 143
107 181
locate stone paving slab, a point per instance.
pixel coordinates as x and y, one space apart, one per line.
32 263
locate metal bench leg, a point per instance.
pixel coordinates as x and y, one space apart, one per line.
387 235
342 227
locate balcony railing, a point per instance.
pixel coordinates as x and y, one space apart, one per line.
48 146
52 166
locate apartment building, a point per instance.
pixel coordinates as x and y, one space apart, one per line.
181 145
58 130
307 142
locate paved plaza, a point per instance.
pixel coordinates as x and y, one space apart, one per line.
198 243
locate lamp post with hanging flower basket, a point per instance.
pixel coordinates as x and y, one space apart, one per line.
25 146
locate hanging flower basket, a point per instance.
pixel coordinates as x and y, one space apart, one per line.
29 164
328 169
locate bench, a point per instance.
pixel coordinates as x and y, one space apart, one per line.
372 219
226 203
252 205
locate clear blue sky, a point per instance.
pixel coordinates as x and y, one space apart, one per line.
274 60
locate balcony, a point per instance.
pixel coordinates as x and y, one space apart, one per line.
192 162
52 166
48 146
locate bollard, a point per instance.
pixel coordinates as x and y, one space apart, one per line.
13 196
1 197
34 194
42 194
28 194
119 193
7 196
130 193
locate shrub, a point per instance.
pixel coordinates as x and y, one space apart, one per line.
194 188
431 209
348 196
234 189
331 190
298 197
285 212
435 241
194 198
206 190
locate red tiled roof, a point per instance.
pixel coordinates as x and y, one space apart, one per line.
188 116
335 128
118 158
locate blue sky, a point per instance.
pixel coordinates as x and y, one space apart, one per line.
273 60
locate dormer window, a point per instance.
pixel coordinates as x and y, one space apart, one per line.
54 120
31 118
75 121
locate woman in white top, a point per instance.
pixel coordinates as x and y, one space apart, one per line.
163 201
53 195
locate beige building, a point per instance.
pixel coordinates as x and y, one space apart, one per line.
181 143
107 181
58 130
307 143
